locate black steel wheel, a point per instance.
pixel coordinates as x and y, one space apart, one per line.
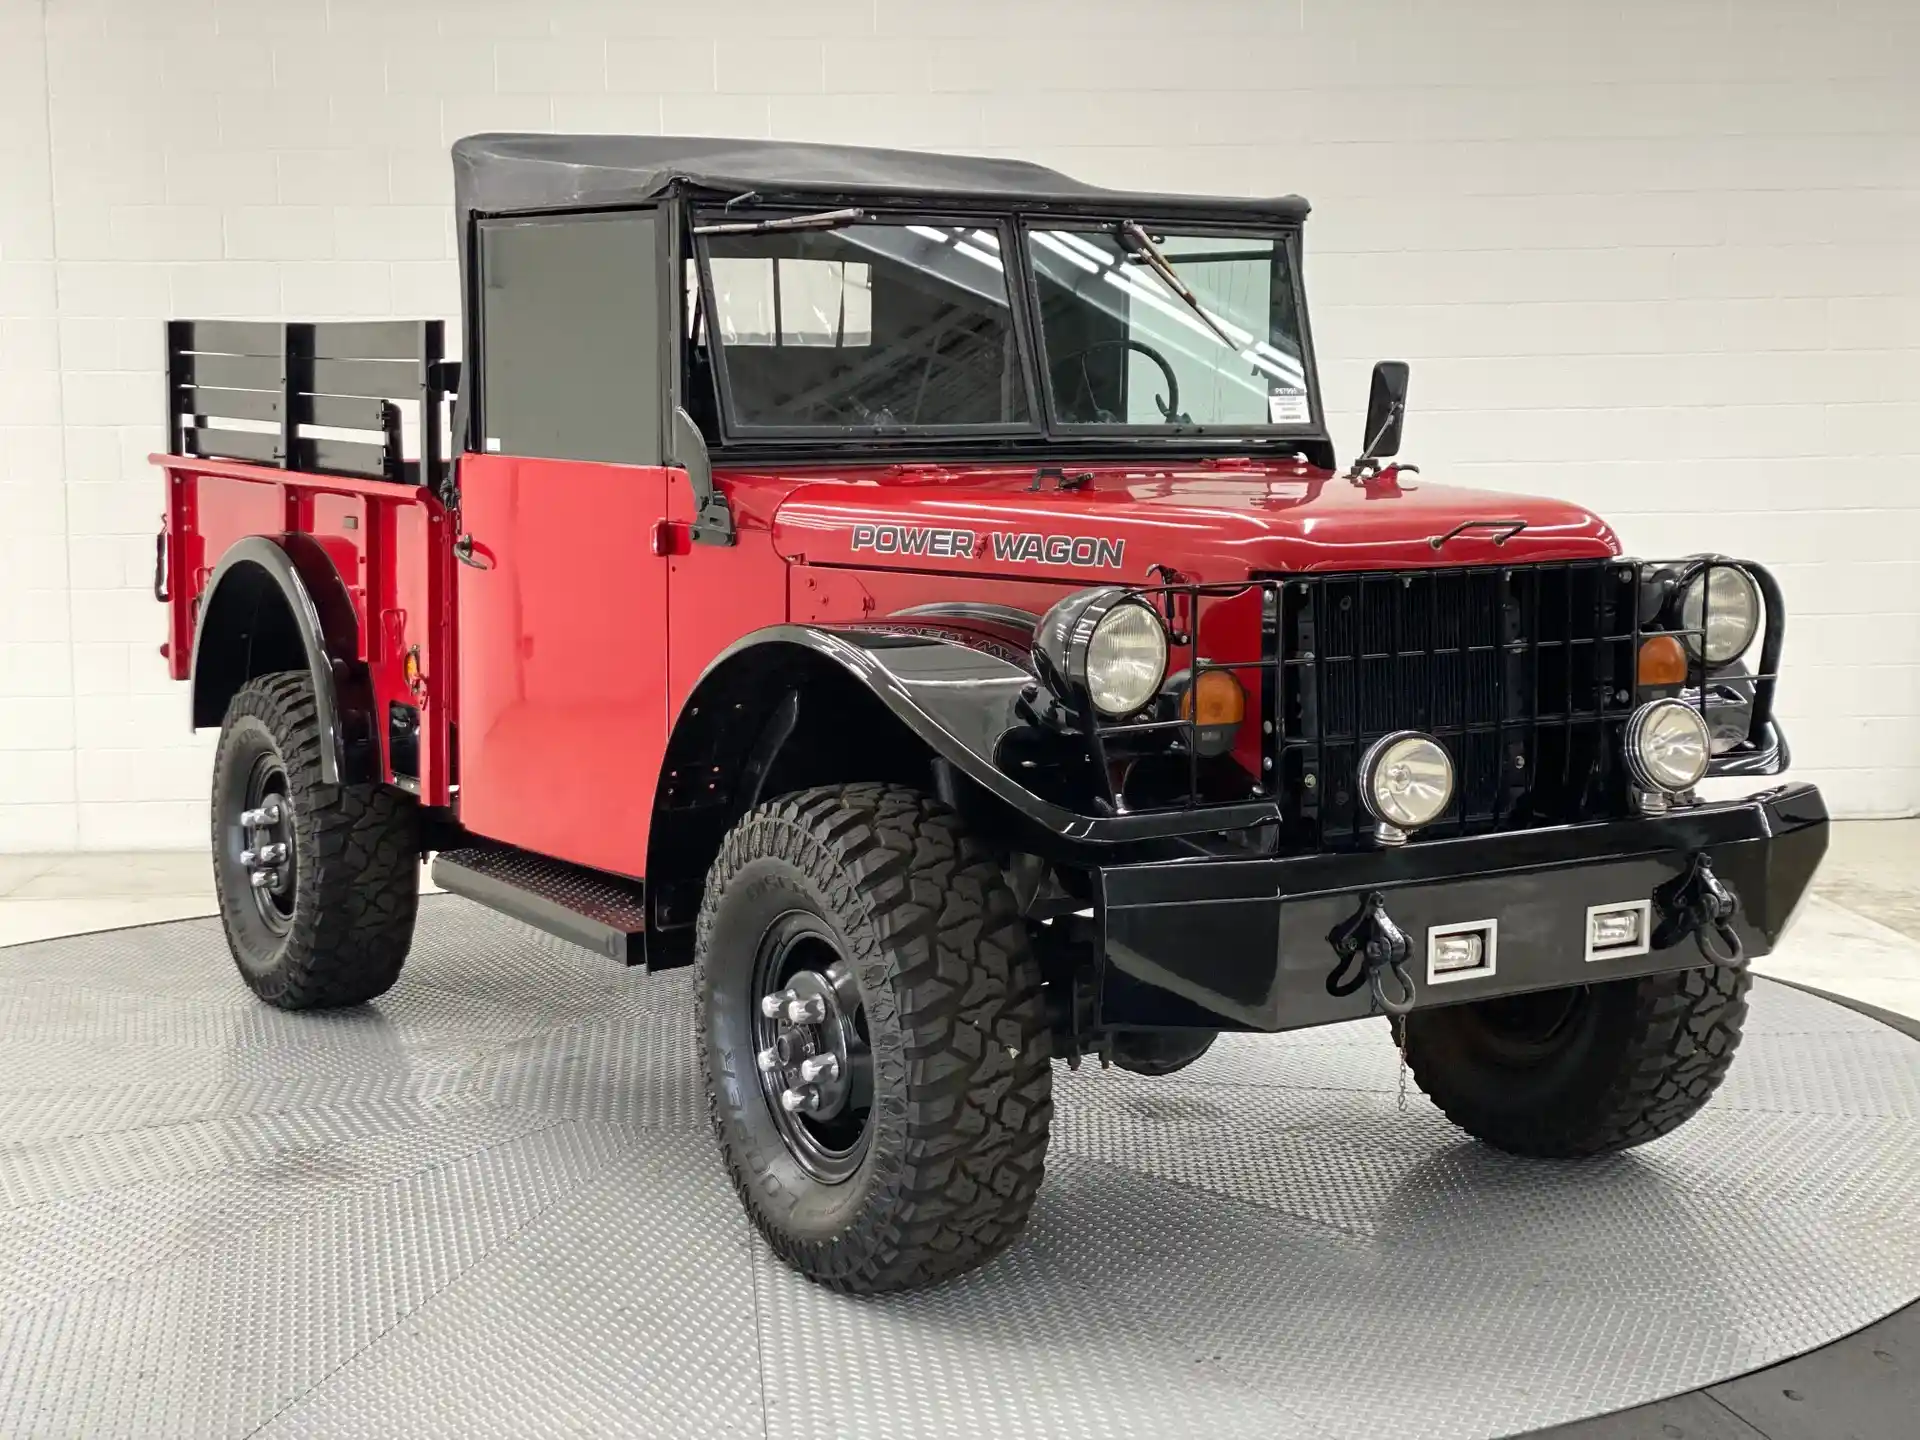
318 884
263 834
872 1029
811 1046
1585 1069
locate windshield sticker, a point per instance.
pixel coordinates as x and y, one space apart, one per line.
1288 407
1008 547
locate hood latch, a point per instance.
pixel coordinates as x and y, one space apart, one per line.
1061 480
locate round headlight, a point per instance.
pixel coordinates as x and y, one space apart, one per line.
1720 608
1406 779
1106 644
1126 659
1667 746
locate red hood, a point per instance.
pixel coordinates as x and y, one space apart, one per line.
1209 520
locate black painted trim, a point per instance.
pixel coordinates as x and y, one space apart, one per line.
941 712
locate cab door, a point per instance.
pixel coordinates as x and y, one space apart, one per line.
562 602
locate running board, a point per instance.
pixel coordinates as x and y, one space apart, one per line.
602 912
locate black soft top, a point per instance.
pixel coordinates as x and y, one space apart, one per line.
496 174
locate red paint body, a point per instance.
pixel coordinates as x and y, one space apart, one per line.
390 549
560 668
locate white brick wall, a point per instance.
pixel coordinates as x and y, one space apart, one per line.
1656 255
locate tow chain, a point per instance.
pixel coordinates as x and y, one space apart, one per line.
1697 904
1376 948
1398 1024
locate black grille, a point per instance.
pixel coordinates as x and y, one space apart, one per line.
1525 673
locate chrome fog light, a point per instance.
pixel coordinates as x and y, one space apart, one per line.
1667 746
1406 781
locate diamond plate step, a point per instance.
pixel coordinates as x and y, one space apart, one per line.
602 912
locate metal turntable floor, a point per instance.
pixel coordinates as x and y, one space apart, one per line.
489 1204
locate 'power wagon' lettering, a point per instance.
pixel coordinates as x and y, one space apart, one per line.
914 540
1008 547
1083 550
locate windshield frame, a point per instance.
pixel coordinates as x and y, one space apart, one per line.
1001 223
1287 236
1042 439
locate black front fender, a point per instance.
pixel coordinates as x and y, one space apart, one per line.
961 699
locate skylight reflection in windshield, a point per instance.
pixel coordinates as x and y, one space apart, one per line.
1122 348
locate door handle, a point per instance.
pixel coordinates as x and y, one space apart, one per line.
463 552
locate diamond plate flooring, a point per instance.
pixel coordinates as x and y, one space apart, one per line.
488 1205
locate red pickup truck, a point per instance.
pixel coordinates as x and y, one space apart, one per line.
920 593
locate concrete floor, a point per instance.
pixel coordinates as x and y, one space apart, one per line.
1858 935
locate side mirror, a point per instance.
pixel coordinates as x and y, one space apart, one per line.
1386 410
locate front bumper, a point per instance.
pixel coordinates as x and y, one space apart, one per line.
1243 944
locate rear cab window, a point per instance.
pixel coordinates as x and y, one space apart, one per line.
570 312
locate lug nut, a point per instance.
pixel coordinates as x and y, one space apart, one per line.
815 1066
771 1006
273 854
261 879
248 857
803 1097
253 817
768 1059
810 1011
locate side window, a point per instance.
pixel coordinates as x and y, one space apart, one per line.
570 331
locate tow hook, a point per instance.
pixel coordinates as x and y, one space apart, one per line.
1381 948
1696 904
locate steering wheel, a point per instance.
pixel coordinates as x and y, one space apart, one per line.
1169 408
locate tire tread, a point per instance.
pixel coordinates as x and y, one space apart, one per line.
1681 1038
966 992
351 933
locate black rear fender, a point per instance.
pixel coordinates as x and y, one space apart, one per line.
276 604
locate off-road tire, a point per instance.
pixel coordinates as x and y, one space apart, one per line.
951 995
356 860
1642 1059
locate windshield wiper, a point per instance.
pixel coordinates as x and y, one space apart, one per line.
824 220
1138 240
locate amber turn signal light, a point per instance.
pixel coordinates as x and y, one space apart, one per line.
1214 699
1663 661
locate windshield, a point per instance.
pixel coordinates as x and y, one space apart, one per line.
870 327
1121 346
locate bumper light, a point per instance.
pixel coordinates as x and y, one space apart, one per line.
1617 930
1458 952
1667 746
1466 951
1406 781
